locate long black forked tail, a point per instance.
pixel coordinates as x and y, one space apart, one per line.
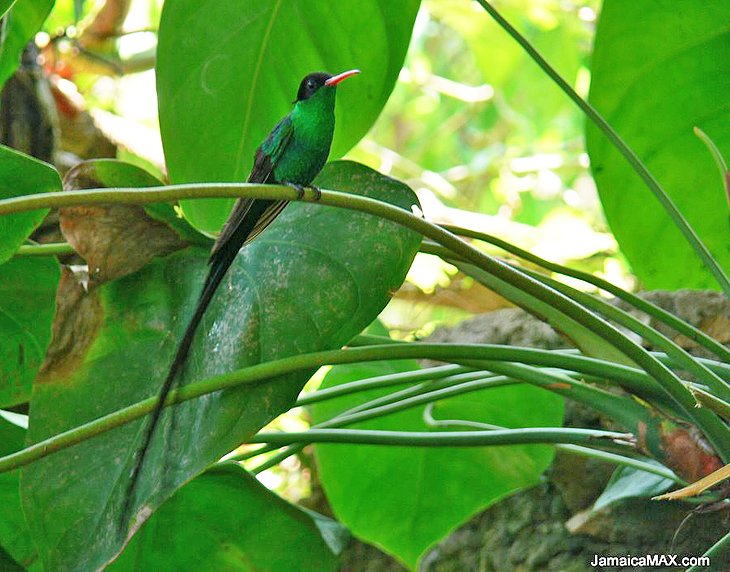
220 261
213 280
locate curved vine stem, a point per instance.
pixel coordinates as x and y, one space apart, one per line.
711 425
265 371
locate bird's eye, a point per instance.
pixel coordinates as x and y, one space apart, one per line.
310 84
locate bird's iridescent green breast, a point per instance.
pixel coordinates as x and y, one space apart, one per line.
313 125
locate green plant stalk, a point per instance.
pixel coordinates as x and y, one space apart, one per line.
711 425
381 381
718 158
369 384
638 382
674 214
527 436
265 371
248 454
715 430
717 367
647 388
389 404
682 327
50 249
598 454
626 411
634 463
478 377
677 354
633 378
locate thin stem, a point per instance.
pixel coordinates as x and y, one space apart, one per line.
363 340
50 249
532 435
382 381
678 355
526 436
625 411
713 427
695 334
718 158
393 403
692 238
266 371
598 454
249 454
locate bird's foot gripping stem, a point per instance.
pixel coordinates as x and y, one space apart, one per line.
301 188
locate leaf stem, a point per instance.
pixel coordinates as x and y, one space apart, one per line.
266 371
598 454
49 249
382 381
695 334
676 353
525 436
624 410
711 425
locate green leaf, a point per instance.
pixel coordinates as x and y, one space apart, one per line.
15 537
27 304
23 20
312 281
226 520
22 175
220 95
406 499
627 482
658 71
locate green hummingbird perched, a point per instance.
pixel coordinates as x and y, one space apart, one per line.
293 154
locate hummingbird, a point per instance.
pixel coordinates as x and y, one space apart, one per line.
293 154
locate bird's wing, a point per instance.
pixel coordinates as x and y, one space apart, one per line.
267 156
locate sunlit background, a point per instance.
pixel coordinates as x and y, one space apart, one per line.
486 140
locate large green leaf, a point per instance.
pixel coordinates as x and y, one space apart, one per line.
228 71
22 175
27 303
23 20
226 520
313 280
406 499
15 538
659 69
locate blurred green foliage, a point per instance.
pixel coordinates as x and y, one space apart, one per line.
476 122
